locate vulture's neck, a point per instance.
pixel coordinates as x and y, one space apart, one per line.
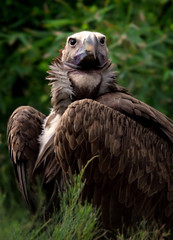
70 84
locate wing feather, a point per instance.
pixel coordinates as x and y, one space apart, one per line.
22 181
131 157
140 112
24 127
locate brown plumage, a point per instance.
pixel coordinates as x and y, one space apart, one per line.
23 129
131 176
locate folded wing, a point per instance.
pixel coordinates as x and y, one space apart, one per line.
131 175
24 128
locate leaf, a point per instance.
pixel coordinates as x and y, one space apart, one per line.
58 23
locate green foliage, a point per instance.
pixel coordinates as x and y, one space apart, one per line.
145 232
139 36
74 221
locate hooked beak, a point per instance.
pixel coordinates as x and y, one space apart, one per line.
91 45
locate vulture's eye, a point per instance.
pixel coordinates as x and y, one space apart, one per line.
72 41
102 40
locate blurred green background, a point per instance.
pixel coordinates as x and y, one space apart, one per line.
139 37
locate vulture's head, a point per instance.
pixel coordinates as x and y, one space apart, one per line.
85 50
83 70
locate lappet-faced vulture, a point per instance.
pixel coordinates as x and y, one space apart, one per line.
131 176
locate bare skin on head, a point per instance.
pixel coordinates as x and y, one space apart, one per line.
85 47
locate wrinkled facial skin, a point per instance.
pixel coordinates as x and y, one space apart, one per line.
85 50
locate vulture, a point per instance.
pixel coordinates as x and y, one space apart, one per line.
130 177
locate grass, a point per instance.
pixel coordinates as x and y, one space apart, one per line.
145 231
74 221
